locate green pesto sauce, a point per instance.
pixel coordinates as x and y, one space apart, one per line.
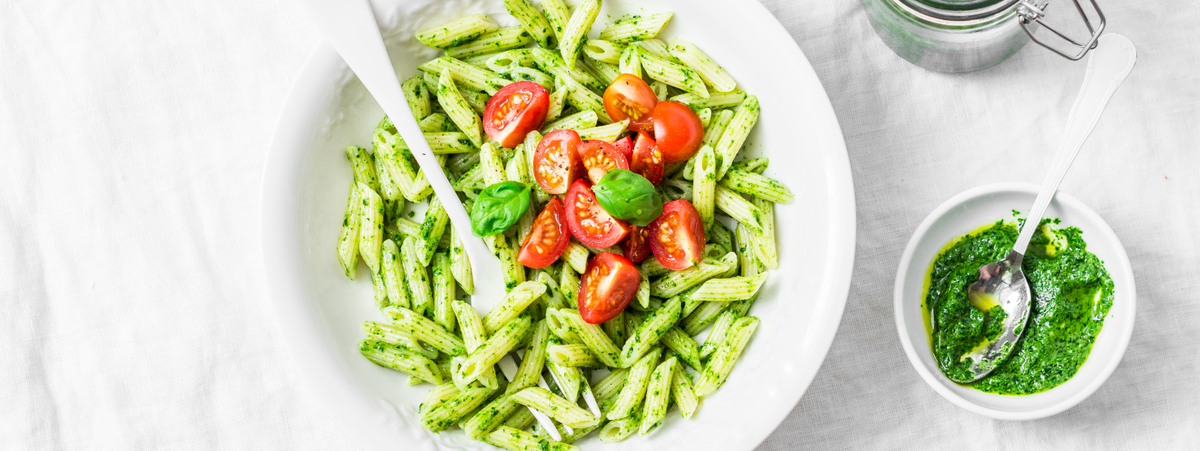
1072 293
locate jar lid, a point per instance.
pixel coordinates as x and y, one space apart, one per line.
959 10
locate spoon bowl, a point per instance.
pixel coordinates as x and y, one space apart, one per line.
1001 284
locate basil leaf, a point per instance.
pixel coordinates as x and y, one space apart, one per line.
628 196
498 207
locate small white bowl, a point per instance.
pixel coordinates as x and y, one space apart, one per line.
981 206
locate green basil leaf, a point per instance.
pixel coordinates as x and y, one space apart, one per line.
498 207
628 196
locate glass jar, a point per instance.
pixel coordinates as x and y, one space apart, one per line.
949 35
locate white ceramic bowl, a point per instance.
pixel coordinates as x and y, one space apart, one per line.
981 206
319 311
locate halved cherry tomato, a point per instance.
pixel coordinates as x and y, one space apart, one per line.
624 144
678 131
556 162
606 287
677 237
599 157
588 221
647 159
515 110
636 245
628 97
548 238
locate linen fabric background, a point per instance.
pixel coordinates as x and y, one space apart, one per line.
133 135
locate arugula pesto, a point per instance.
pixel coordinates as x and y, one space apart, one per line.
1072 293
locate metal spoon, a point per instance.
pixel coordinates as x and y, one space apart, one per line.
1003 283
351 29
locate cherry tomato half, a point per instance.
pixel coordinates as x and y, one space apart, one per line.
548 238
606 287
515 110
624 144
678 131
600 157
556 162
628 97
636 245
677 237
647 159
588 221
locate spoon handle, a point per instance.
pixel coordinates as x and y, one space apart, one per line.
1108 65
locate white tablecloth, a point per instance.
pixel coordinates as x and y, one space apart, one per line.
132 139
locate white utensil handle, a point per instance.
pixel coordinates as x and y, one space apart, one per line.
350 27
1108 65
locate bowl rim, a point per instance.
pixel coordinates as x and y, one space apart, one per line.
300 325
935 380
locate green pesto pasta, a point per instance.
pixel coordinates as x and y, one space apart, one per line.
432 228
458 109
605 72
490 43
533 360
456 408
683 346
457 31
652 329
513 304
715 100
393 274
603 51
679 281
738 208
765 238
417 96
542 397
682 393
575 32
735 133
572 355
393 357
712 73
635 28
558 14
635 386
630 63
394 336
556 407
497 346
490 417
729 289
532 20
370 234
364 166
722 361
460 265
704 183
606 133
514 439
662 69
658 394
580 120
351 227
427 331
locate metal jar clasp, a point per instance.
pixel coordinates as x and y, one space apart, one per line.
1031 11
